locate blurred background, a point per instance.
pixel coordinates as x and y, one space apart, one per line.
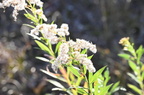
103 22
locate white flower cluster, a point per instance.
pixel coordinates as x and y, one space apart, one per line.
82 44
51 32
19 5
41 14
36 2
62 58
65 54
82 58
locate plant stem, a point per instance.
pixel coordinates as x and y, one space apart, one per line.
66 75
89 84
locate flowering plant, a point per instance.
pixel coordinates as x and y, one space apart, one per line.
70 60
134 61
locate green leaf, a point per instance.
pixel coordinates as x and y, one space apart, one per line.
125 56
83 51
60 89
90 57
90 76
107 77
56 83
97 74
139 52
143 75
57 46
114 87
52 22
134 88
34 36
31 17
29 25
133 66
96 90
81 90
43 47
43 59
105 90
133 77
84 69
74 71
52 75
57 89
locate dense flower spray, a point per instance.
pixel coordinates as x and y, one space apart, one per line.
66 55
19 5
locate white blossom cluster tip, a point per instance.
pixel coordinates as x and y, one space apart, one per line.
51 32
82 44
65 53
19 5
41 14
62 58
36 2
82 58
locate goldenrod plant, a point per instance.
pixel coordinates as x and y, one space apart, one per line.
134 57
69 58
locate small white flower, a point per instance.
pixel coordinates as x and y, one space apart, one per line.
64 48
71 43
91 68
61 59
82 59
65 28
93 48
17 4
53 39
14 14
35 31
60 32
37 2
83 44
40 13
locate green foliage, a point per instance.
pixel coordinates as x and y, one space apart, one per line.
74 75
73 62
134 61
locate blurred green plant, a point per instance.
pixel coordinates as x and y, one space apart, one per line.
134 57
79 77
68 57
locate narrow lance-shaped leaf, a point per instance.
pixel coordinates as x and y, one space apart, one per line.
43 59
125 56
43 47
81 90
52 75
90 57
95 76
74 71
139 52
29 25
107 77
133 66
115 87
31 17
133 77
105 90
56 83
134 88
84 51
57 47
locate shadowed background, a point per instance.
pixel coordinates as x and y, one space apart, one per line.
103 22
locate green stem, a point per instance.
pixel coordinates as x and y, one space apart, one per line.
70 83
89 84
79 81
